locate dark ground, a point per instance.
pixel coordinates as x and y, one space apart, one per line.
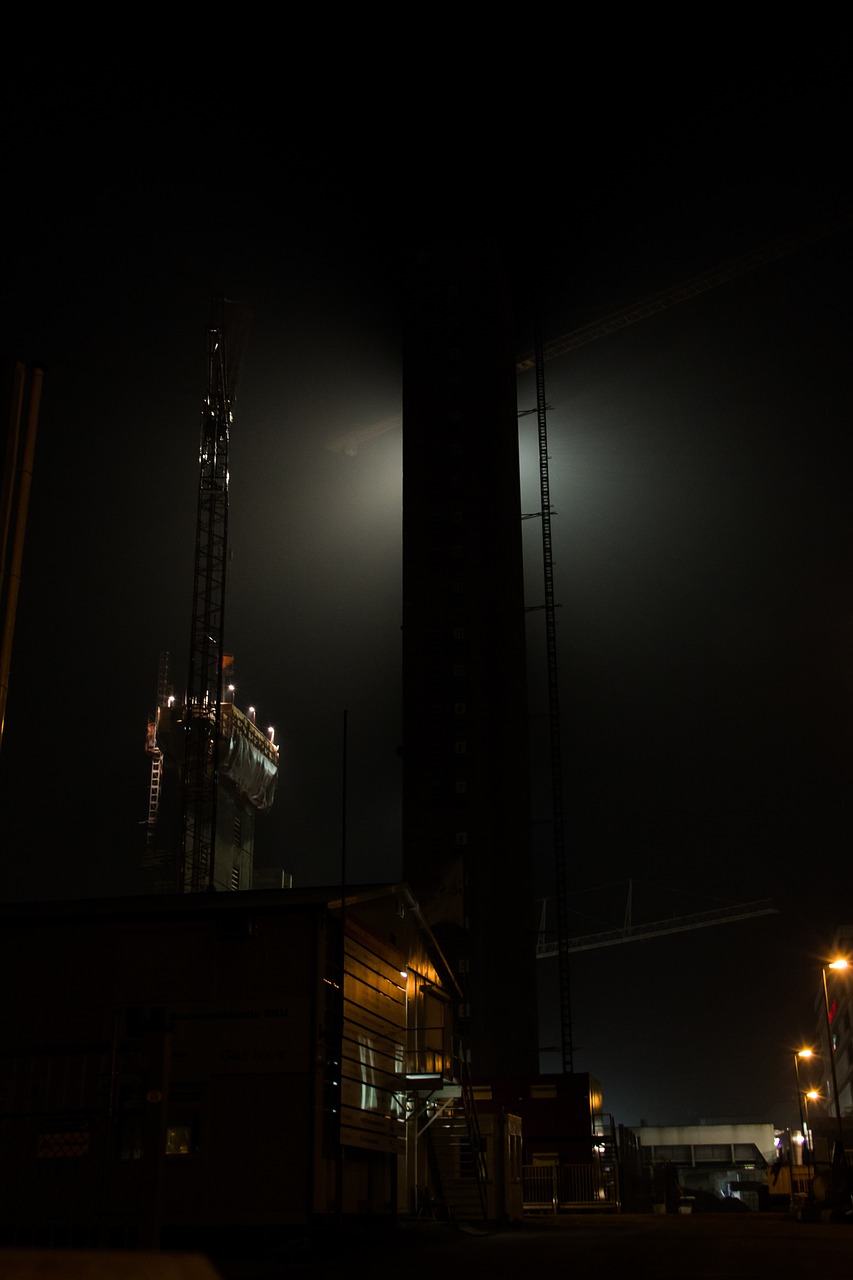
700 1246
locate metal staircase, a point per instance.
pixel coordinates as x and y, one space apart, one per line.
606 1152
455 1151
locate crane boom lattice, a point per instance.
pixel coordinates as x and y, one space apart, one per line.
654 928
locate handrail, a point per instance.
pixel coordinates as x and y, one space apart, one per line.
475 1137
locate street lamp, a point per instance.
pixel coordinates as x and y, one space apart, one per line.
798 1054
811 1095
804 1125
833 964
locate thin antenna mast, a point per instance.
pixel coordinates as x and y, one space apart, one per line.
204 683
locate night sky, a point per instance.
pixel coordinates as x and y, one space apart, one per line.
700 485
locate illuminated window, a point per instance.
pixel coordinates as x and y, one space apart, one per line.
182 1134
235 878
178 1140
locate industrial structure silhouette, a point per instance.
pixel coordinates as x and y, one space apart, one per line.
375 1049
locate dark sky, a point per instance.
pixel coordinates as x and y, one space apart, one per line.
699 480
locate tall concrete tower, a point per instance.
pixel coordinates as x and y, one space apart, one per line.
467 846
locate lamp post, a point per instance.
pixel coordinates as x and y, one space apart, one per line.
800 1053
810 1095
833 964
814 1096
805 1157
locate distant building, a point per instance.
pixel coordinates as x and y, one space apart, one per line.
718 1159
834 1063
247 774
569 1145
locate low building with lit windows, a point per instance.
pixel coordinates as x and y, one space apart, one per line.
176 1067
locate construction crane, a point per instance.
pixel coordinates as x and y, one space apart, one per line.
536 361
670 297
202 723
555 750
602 327
631 932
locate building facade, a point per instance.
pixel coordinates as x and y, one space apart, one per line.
246 771
217 1063
467 848
718 1160
834 1041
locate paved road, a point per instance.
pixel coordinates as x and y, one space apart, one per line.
666 1247
670 1247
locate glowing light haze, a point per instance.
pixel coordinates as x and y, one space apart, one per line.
700 489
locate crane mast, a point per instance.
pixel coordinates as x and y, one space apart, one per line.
554 714
202 720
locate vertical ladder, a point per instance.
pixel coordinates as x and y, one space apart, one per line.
154 793
153 748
